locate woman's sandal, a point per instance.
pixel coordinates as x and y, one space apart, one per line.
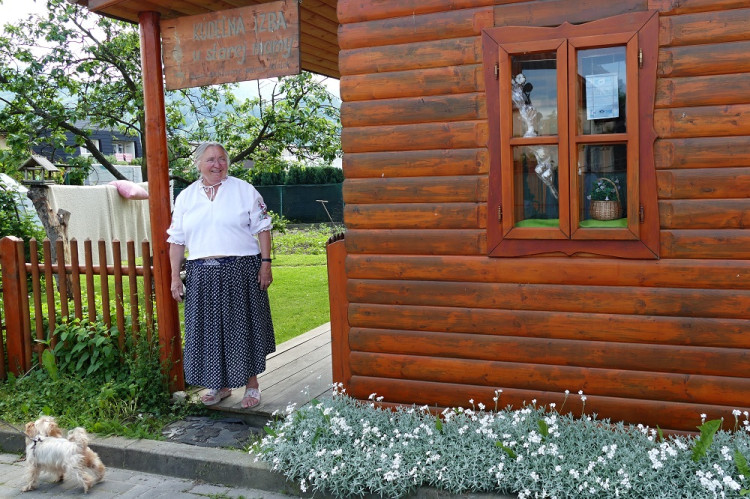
247 399
213 397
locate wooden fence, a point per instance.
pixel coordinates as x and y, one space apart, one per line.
68 291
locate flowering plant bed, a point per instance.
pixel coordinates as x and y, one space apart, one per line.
348 448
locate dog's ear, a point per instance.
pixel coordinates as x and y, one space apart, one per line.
30 429
54 430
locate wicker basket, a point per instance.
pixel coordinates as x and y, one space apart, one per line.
606 210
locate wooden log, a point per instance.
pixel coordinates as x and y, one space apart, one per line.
704 59
415 216
704 183
353 11
411 242
672 7
695 388
665 415
410 56
682 302
561 352
430 163
429 109
696 274
730 244
704 27
416 190
411 28
714 90
336 256
412 83
707 121
458 135
556 12
702 152
170 341
705 214
683 331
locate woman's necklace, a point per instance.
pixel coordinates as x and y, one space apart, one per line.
210 190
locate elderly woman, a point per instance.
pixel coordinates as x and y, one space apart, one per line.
224 225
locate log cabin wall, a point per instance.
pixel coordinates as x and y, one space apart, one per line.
433 320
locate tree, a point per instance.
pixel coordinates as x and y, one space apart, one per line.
69 67
293 114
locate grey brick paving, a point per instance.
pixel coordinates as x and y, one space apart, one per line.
122 484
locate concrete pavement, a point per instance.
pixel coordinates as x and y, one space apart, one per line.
149 468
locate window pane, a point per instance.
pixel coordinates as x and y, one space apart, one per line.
602 174
535 185
534 94
601 91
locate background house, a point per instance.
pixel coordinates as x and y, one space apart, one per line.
109 142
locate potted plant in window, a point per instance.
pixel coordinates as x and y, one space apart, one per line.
605 199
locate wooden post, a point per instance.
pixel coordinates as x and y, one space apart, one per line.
12 304
336 254
158 199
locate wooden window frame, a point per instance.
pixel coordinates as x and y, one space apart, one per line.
638 33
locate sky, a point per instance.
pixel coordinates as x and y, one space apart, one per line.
13 10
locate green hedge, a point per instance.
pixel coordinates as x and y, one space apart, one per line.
298 175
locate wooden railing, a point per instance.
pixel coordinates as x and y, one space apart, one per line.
62 292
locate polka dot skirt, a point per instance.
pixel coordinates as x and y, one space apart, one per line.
228 328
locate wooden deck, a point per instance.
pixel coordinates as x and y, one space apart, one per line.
299 371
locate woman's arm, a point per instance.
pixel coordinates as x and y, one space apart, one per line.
176 257
264 275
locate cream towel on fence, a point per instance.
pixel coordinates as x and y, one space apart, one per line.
99 212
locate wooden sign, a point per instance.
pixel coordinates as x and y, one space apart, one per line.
248 43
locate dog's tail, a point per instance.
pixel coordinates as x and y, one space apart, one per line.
79 436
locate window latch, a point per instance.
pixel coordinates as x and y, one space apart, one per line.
497 71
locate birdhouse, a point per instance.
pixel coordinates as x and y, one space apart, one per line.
38 170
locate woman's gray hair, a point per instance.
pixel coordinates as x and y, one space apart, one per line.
201 150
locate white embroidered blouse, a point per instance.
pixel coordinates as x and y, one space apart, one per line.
225 226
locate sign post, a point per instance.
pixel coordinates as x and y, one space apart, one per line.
247 43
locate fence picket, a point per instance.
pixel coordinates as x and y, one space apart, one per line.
37 292
104 282
62 281
133 286
75 277
89 270
148 289
50 289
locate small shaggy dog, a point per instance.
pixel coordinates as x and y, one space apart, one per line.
47 450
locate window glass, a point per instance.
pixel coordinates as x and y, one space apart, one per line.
602 90
534 94
535 184
602 173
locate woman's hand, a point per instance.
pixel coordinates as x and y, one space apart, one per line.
264 275
178 289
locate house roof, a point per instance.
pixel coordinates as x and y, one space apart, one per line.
319 49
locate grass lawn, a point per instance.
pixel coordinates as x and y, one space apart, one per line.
299 294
